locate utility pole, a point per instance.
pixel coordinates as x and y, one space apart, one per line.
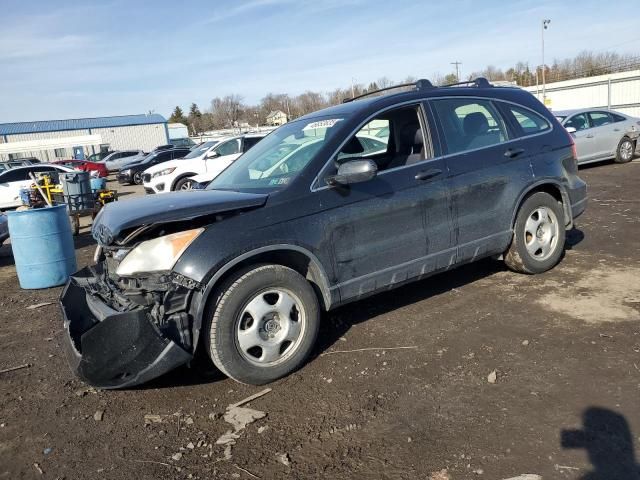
545 25
457 64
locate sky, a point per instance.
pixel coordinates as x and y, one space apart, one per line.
66 59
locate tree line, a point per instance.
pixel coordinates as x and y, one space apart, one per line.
231 110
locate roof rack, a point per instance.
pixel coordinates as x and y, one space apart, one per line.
424 84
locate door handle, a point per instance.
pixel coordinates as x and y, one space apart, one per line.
513 152
616 129
427 174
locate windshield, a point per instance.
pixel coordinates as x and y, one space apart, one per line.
279 158
199 150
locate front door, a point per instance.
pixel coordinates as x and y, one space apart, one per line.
584 138
222 156
396 226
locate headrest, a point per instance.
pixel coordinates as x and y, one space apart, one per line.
353 146
475 124
411 134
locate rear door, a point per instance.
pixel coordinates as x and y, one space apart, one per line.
487 171
606 134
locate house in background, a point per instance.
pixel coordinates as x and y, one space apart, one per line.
276 118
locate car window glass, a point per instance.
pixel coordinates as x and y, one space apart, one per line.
579 122
368 138
179 153
599 119
529 121
249 142
14 176
469 124
617 118
229 148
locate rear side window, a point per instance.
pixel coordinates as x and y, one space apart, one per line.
469 124
599 119
530 122
617 118
249 142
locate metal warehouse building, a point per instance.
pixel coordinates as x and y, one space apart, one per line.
58 139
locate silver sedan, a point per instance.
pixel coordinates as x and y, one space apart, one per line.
601 134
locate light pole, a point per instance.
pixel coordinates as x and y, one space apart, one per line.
457 64
545 25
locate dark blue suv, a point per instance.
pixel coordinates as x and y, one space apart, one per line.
330 208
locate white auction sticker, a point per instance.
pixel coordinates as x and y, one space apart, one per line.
322 124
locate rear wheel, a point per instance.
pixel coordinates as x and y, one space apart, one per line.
184 184
137 178
264 324
539 235
625 150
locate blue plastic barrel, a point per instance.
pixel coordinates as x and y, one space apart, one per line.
42 246
98 184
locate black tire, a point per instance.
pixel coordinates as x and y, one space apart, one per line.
137 178
224 323
519 257
626 149
182 182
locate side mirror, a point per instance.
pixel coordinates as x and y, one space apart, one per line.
571 129
354 171
213 154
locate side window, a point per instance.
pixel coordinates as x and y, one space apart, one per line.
599 119
529 122
179 153
14 176
249 142
468 124
579 122
617 118
229 148
370 143
60 152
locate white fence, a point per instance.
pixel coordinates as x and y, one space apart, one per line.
616 91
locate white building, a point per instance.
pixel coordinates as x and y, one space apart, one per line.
614 91
276 118
55 139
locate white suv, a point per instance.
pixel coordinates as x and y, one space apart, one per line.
210 157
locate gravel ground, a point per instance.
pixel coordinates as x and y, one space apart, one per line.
504 374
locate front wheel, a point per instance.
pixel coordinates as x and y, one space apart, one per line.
625 150
184 184
264 324
137 178
538 237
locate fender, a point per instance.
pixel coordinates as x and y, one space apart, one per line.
566 203
200 297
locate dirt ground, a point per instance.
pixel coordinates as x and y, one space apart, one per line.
565 404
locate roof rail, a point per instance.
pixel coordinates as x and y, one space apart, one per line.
479 82
421 84
424 84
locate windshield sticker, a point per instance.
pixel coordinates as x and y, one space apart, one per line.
279 181
322 124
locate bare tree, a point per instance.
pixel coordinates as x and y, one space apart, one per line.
227 111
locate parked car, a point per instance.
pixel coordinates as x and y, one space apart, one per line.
98 169
15 179
99 156
115 160
4 228
131 173
182 142
601 134
211 158
244 268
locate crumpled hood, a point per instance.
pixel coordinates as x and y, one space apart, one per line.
116 217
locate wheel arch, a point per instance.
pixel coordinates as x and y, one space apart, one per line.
293 256
180 177
553 188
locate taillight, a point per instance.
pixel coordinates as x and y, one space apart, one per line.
574 151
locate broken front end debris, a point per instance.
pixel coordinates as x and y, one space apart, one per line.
124 332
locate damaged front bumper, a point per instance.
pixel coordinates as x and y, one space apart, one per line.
108 348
